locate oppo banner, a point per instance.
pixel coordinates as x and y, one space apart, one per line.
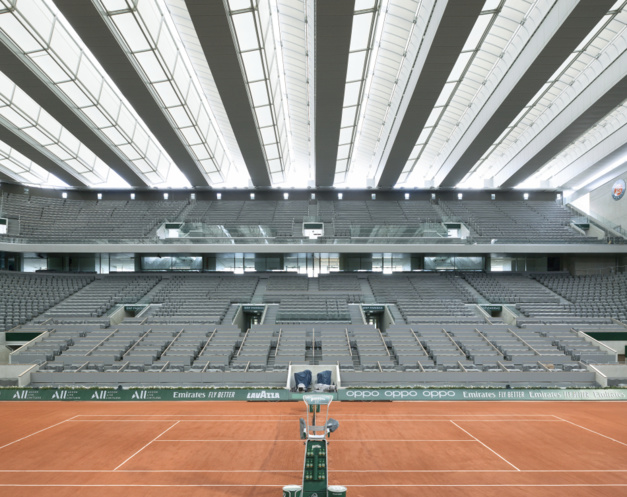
142 394
479 394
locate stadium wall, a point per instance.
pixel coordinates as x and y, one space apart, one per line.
604 206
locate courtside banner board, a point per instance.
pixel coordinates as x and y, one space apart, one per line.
384 394
141 395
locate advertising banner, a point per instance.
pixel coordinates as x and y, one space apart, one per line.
365 394
146 394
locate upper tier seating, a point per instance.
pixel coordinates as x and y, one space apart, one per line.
516 222
59 221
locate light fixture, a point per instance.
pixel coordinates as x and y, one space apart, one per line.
407 196
192 196
219 196
493 196
166 196
460 196
340 196
252 196
286 196
373 196
526 196
64 195
132 196
313 196
99 195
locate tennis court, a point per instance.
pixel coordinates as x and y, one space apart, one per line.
253 449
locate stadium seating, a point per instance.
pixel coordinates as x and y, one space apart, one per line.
63 220
435 332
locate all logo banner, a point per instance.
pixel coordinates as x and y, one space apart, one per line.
479 394
142 394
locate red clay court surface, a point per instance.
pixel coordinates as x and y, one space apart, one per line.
252 449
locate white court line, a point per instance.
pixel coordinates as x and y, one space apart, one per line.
296 416
506 420
37 432
128 420
300 441
592 431
231 421
494 452
123 485
162 433
299 471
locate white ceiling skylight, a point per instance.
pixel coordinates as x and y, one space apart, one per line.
147 34
500 34
41 37
237 175
24 117
256 43
362 45
406 28
596 64
581 156
24 170
294 41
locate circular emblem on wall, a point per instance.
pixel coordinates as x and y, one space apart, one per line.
618 189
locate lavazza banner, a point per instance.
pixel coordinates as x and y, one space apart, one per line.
478 394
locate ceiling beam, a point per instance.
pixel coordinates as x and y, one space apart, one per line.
39 158
333 25
610 100
36 89
88 23
5 178
568 36
214 33
451 35
616 157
